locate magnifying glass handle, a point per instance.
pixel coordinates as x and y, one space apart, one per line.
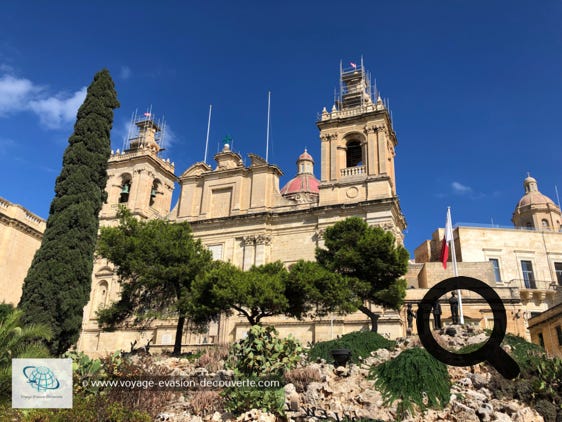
504 363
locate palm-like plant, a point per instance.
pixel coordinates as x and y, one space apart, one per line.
17 341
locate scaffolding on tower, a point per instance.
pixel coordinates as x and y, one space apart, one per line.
146 132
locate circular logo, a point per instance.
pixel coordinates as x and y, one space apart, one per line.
41 378
491 350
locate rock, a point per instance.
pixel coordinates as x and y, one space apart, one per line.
486 392
480 338
382 354
465 382
479 397
485 412
480 380
164 416
451 331
217 417
527 415
225 374
501 417
342 371
506 348
289 389
511 407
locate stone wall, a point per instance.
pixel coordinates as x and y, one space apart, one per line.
20 237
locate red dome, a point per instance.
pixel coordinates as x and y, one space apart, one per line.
305 156
303 183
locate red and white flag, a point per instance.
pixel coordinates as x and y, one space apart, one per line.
447 239
353 65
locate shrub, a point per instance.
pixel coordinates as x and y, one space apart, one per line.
301 377
263 353
18 341
88 408
547 410
205 402
147 401
239 400
212 359
361 344
414 376
84 368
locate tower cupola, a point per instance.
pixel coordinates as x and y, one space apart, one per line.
536 211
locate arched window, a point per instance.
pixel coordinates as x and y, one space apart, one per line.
544 223
529 225
125 189
100 298
354 154
154 192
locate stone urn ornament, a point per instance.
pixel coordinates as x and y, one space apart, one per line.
341 356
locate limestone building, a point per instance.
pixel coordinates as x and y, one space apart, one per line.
20 236
243 216
546 330
527 256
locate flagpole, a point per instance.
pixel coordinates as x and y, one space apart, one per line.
267 134
208 130
454 259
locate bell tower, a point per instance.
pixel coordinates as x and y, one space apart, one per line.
138 177
357 151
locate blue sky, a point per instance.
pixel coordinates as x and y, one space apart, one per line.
474 87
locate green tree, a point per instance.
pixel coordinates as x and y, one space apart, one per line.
156 262
18 341
314 291
371 257
256 293
57 286
269 290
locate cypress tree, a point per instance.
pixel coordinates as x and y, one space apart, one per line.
57 286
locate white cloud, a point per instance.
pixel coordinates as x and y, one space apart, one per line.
125 72
15 93
460 188
56 111
20 94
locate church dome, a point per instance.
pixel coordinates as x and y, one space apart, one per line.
535 210
304 184
532 195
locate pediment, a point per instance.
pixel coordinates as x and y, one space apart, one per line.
105 271
196 169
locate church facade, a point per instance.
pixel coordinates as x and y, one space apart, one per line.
243 215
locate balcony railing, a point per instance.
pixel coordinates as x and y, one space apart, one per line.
533 284
353 171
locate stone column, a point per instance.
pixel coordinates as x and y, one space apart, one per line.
248 243
371 162
262 242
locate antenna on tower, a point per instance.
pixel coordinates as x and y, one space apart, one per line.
341 84
267 135
208 131
129 129
162 134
